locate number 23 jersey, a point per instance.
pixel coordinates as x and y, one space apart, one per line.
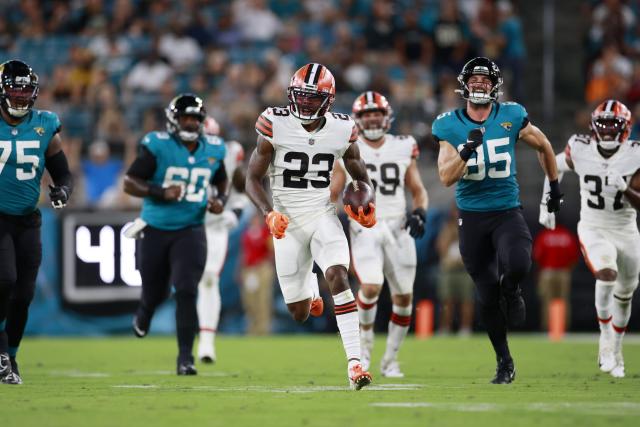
601 204
300 171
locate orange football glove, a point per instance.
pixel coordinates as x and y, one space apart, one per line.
277 223
368 220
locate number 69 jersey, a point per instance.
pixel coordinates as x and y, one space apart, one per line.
601 204
300 171
387 166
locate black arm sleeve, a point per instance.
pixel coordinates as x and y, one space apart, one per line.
144 166
220 175
525 122
58 168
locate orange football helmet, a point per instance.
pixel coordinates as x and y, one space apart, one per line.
311 92
611 124
372 128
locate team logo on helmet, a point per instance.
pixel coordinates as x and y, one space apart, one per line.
186 104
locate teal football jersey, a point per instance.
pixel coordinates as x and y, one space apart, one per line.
176 165
490 181
22 150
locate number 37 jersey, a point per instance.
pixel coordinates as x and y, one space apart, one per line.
300 171
601 204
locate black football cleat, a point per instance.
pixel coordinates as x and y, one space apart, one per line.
186 367
5 365
141 323
515 309
14 365
12 378
505 372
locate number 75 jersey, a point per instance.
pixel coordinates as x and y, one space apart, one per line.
601 204
22 160
300 171
490 181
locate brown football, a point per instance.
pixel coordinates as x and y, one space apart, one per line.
356 194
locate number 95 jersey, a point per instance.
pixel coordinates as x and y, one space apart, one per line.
489 183
22 150
601 204
300 171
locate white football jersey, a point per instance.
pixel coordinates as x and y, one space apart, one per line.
232 159
602 205
387 166
300 171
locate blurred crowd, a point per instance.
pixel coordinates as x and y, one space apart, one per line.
110 67
613 54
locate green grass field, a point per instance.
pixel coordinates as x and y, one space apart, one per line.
301 381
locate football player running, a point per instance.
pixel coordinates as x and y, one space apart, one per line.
608 165
386 250
217 227
297 146
29 143
172 173
477 151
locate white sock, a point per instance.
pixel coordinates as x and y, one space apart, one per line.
604 300
367 308
347 319
621 314
209 303
398 328
313 282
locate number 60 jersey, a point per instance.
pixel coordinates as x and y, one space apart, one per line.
300 171
601 204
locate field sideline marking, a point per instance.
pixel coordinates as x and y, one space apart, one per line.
599 408
266 389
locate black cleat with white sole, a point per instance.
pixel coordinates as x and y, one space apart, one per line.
505 372
5 365
186 367
141 323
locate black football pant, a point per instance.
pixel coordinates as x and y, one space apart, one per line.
496 251
174 258
20 257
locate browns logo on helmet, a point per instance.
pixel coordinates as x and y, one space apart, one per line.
311 92
611 124
372 126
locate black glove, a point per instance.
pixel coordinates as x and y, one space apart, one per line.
59 196
415 223
554 200
474 140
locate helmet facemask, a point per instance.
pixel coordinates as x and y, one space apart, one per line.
609 131
480 92
19 88
480 67
373 126
308 105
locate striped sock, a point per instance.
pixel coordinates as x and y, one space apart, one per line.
367 308
347 319
398 328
